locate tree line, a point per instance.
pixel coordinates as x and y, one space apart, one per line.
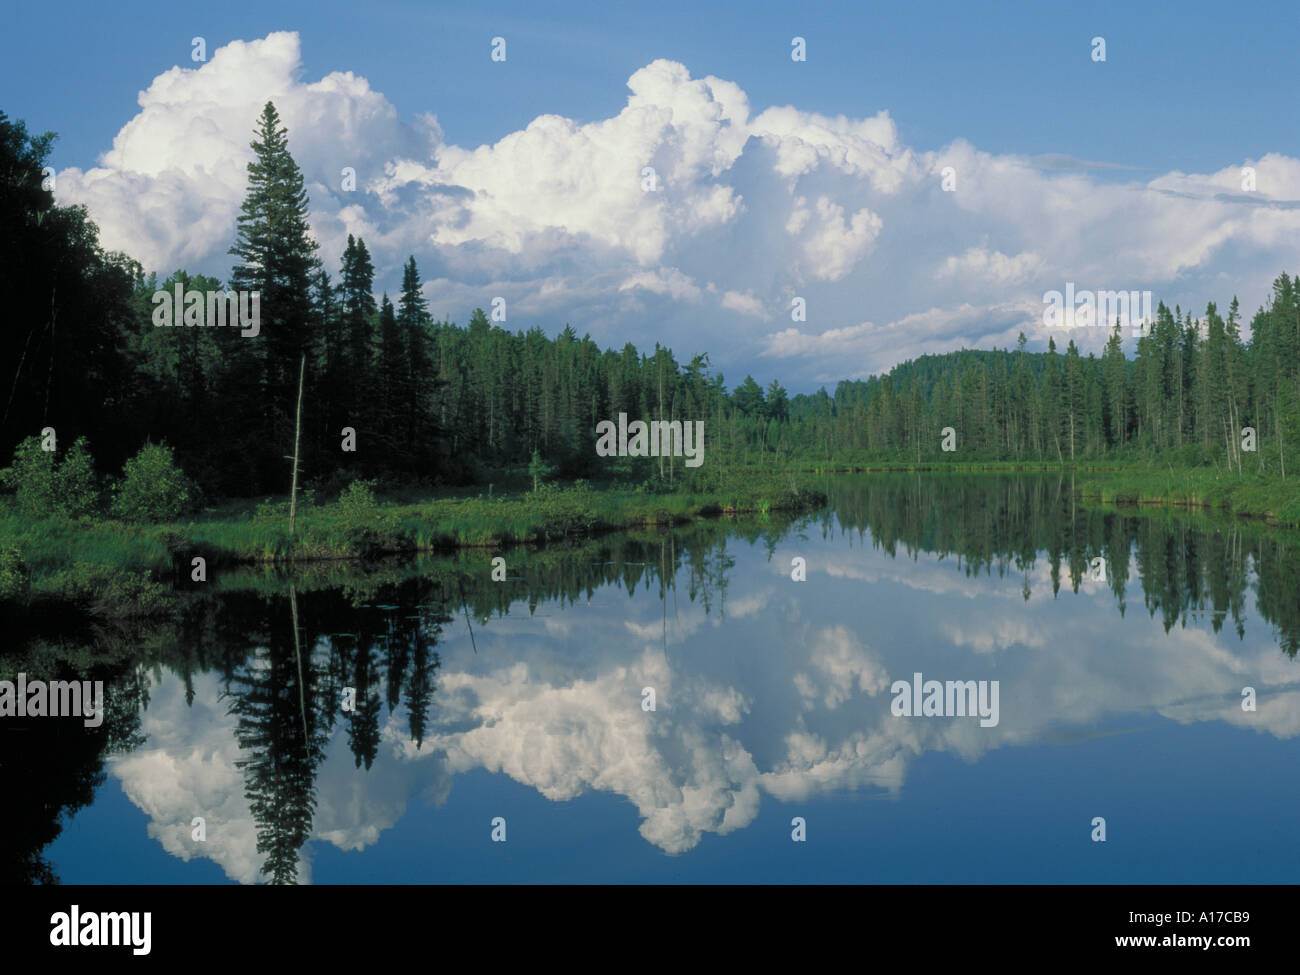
432 401
1190 390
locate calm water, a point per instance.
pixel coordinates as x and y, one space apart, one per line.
1118 698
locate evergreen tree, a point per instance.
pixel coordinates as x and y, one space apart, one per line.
358 310
420 386
277 259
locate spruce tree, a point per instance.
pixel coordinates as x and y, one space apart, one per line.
391 378
326 374
359 312
421 384
278 259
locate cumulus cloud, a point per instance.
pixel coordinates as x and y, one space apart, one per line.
743 210
979 262
841 666
746 304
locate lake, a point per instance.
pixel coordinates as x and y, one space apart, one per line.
699 706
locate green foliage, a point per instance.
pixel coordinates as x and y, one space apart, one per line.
367 527
13 573
77 481
539 470
153 488
274 510
33 477
358 505
71 318
748 398
47 487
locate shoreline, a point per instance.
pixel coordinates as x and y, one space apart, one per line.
104 564
101 562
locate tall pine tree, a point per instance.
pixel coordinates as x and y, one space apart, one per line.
278 259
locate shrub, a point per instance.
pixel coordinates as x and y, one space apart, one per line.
357 504
45 487
369 529
152 488
13 573
77 481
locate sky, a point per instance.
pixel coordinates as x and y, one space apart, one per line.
774 179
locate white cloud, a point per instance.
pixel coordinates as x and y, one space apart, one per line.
832 242
746 304
553 216
979 262
666 281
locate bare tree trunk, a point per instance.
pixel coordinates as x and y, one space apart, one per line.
297 439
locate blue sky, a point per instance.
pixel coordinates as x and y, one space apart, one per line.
1187 96
1009 80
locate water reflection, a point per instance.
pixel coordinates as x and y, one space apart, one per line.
765 687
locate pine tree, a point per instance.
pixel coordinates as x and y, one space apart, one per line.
1114 369
277 259
391 379
1073 394
327 372
420 382
1053 394
356 279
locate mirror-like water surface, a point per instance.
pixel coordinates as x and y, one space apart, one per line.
1120 643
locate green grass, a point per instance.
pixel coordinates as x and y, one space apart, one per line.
51 544
1252 495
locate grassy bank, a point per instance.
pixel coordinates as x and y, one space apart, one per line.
1268 498
116 568
122 568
